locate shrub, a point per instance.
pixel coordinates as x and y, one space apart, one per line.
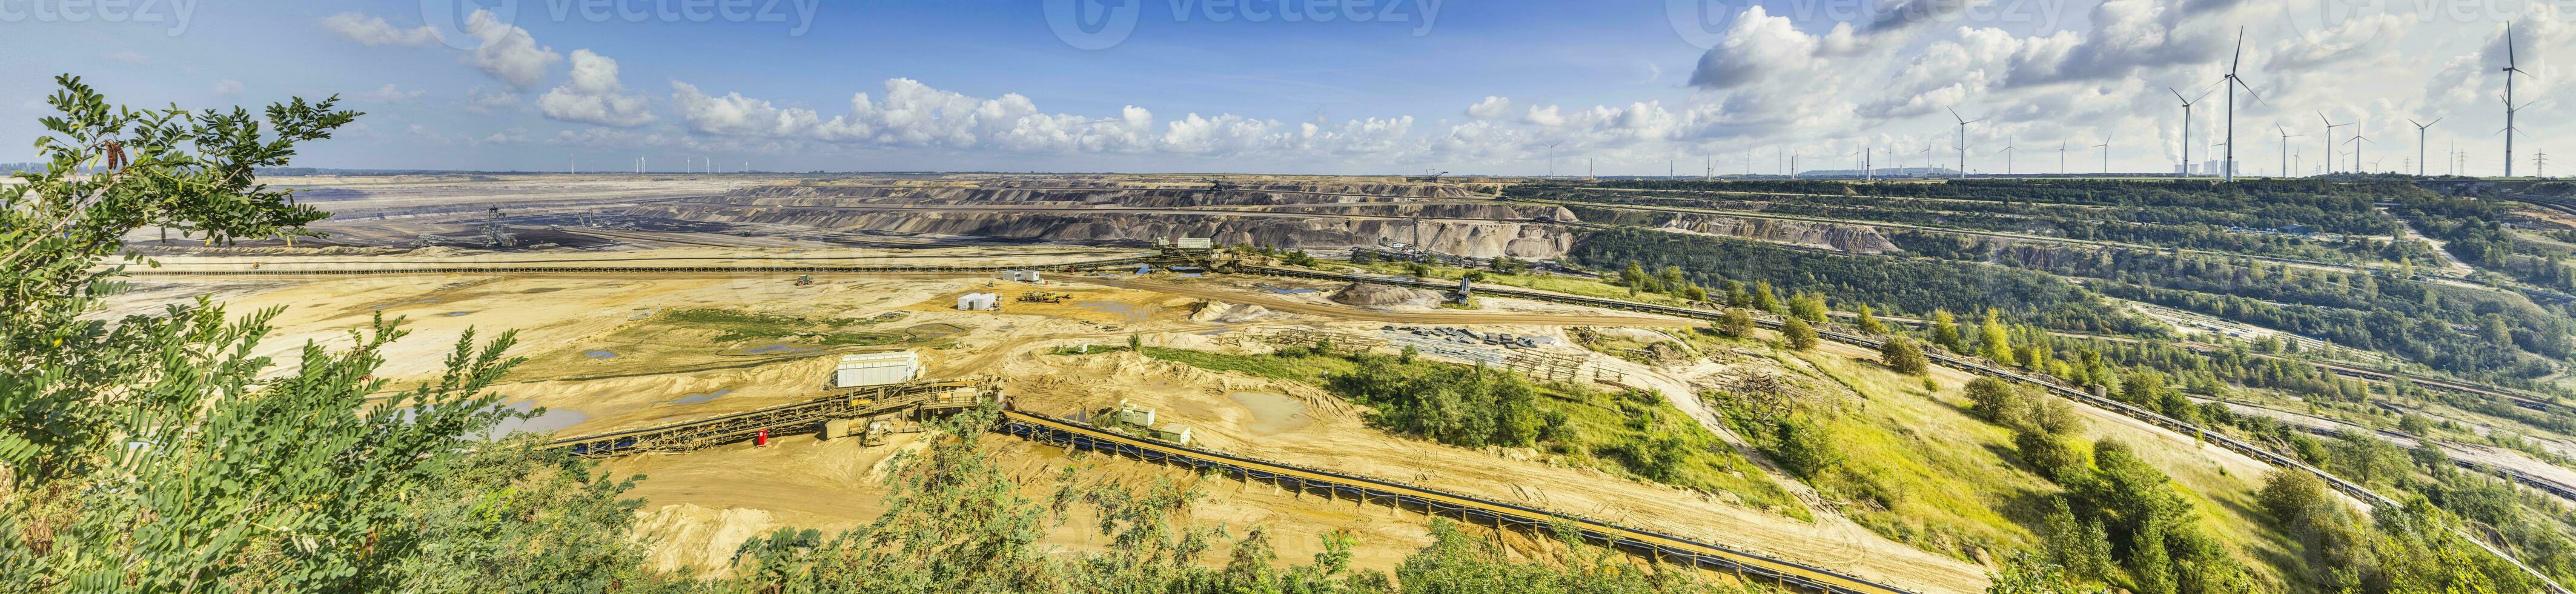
1904 356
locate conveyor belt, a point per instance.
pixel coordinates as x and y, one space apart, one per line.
784 419
1664 547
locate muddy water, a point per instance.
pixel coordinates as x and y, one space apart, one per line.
1272 413
698 398
554 419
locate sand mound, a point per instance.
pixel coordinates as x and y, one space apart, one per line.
1383 296
1219 312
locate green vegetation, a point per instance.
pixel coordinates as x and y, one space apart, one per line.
159 453
736 326
1895 284
1634 433
1892 457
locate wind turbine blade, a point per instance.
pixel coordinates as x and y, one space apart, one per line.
2178 95
1954 114
2240 52
2437 121
2249 89
2205 94
2508 47
2416 123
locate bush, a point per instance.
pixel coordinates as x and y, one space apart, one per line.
1804 448
1904 356
1798 334
1735 323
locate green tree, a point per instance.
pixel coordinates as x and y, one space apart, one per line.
1995 340
1804 447
1764 299
1735 322
1798 334
1808 306
1945 332
2149 563
1869 323
160 453
1904 356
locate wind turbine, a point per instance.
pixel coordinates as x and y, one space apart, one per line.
2330 126
2509 70
2008 155
2232 83
2106 153
1551 157
2419 142
1963 140
2285 148
2356 141
2186 126
2061 157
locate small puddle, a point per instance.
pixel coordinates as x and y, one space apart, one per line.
1272 413
776 348
599 354
457 313
699 398
554 419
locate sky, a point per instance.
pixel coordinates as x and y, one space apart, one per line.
1505 87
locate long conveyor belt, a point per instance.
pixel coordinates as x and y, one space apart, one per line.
1664 547
783 419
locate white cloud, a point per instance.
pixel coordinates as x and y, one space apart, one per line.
390 94
595 96
228 88
487 101
1492 107
507 52
374 31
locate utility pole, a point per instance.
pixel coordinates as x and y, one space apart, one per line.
2540 164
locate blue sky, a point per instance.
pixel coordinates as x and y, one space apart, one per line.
1459 85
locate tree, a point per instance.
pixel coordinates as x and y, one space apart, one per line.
2148 561
1869 322
1798 334
1804 447
1808 306
1904 356
1764 299
1509 265
1945 332
159 453
1995 340
1999 402
1735 322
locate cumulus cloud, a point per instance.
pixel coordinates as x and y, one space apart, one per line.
594 95
1492 107
228 88
507 52
374 31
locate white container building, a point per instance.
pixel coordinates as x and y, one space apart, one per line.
877 369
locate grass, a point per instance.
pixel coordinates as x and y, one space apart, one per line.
736 326
1600 428
1920 470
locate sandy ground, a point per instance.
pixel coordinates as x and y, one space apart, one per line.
599 362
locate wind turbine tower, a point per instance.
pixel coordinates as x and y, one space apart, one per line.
2106 153
2233 83
2008 155
2356 141
2509 108
2330 126
2285 148
2419 142
1963 140
2186 127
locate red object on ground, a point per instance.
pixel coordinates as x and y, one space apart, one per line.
761 440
